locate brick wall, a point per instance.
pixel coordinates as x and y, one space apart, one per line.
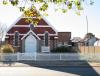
64 36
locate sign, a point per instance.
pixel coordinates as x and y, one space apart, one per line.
45 49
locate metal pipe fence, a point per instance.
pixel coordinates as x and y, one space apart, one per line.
49 57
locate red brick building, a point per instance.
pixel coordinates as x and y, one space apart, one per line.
40 38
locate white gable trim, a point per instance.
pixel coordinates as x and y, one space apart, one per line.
48 23
29 33
21 26
13 24
29 26
29 17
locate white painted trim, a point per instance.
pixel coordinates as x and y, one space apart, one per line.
37 34
21 26
29 33
29 17
34 26
42 26
13 34
49 34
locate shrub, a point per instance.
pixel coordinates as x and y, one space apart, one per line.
6 48
62 49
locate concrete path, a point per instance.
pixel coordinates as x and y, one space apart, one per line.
31 71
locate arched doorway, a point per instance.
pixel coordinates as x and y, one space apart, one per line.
30 44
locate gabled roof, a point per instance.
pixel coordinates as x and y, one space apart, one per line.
23 27
22 21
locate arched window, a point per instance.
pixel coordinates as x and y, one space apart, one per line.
16 38
46 38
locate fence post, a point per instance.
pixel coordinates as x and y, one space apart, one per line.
35 56
2 57
94 50
17 56
60 56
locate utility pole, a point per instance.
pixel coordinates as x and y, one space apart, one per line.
87 29
87 24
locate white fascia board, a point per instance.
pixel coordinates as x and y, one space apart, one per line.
29 33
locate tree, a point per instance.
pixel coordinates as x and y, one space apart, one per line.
90 39
76 5
89 35
3 29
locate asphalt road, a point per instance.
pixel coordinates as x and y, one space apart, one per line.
49 71
77 70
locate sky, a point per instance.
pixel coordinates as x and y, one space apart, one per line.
67 22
